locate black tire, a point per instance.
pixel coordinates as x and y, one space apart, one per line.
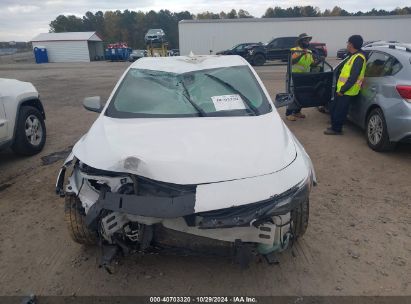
21 144
377 133
75 219
259 60
299 218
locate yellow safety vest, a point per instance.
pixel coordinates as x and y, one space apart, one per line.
345 74
304 64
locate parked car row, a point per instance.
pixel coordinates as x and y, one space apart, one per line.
343 53
276 49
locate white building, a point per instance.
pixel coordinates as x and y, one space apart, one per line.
71 46
201 36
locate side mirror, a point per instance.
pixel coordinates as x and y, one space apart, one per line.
93 104
283 99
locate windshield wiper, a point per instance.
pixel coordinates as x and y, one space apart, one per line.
187 95
226 84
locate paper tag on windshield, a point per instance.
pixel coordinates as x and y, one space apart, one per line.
228 102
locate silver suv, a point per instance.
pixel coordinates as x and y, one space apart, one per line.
383 108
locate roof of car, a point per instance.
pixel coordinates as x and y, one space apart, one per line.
184 64
402 49
398 51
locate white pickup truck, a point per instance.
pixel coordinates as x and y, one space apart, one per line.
22 117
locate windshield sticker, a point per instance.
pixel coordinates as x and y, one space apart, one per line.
228 102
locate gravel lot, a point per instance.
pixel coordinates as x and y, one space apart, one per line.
358 240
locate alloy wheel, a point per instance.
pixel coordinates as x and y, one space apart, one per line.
33 130
375 129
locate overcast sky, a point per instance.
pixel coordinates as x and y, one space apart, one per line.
21 20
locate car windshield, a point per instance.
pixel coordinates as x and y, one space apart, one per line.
234 47
227 91
154 31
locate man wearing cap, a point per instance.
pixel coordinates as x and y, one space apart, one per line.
301 61
348 85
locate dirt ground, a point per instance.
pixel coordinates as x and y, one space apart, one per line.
358 240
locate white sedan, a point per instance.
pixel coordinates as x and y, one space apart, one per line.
22 117
188 152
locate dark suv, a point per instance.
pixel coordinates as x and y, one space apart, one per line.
239 49
279 49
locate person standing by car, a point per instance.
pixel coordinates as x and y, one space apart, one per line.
348 85
301 61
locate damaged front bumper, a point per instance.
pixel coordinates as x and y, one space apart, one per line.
132 210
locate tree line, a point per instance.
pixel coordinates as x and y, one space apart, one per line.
130 26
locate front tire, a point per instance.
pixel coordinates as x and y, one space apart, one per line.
30 135
377 133
75 219
259 60
299 218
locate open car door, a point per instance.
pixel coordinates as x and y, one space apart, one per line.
312 89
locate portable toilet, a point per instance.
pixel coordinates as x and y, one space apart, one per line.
40 54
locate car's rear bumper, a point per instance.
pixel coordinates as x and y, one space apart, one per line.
398 119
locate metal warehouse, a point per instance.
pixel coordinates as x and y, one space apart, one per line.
71 46
203 36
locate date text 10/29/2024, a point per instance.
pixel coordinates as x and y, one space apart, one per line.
200 299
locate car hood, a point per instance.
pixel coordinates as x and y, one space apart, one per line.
189 150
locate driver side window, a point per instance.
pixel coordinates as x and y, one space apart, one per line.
274 44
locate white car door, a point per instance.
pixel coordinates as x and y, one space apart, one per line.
3 121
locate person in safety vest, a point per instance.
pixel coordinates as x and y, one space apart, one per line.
301 62
348 85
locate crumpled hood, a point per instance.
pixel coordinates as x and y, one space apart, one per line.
189 150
